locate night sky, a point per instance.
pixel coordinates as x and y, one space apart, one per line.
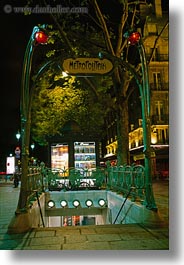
16 30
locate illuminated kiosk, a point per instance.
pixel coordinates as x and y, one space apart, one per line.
73 149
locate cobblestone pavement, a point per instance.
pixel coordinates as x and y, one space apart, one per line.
101 237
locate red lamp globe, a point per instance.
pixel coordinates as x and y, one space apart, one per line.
41 37
134 38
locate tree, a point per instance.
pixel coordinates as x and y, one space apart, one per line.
67 101
103 29
117 47
77 34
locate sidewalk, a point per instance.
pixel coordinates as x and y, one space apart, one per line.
102 237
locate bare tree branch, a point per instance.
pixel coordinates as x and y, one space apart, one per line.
120 31
152 54
104 27
93 88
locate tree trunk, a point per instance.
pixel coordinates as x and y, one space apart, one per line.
24 190
122 131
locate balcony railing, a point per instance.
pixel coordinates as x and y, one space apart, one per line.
163 119
159 86
158 57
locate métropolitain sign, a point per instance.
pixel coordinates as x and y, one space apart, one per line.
87 66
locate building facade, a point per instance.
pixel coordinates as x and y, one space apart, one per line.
155 38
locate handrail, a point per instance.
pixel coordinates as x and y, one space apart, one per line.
128 194
36 192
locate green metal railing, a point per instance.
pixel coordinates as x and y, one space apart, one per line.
73 179
125 179
119 179
35 184
122 179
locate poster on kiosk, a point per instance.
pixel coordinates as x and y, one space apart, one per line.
85 155
59 156
10 165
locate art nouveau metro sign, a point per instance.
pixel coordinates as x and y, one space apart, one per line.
87 66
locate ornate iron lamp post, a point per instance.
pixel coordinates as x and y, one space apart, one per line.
38 36
134 38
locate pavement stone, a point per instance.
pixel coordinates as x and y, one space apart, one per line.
101 237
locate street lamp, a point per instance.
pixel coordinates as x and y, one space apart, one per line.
38 37
134 38
32 146
18 135
41 37
17 152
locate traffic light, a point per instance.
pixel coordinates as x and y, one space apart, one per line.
134 38
41 37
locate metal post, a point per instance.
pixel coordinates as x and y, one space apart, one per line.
25 109
144 90
145 103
